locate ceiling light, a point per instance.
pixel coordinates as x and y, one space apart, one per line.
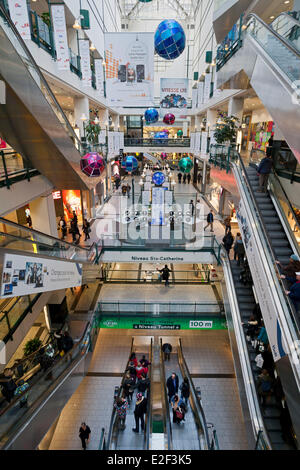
92 47
83 117
76 25
272 17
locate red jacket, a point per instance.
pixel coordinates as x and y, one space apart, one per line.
140 371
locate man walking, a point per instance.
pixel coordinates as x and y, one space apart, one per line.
172 385
84 434
263 172
210 221
165 274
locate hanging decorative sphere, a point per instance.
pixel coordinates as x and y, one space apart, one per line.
185 164
151 115
160 135
145 1
169 39
92 164
179 133
164 156
158 178
130 164
169 118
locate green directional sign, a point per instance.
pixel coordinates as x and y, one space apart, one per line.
161 323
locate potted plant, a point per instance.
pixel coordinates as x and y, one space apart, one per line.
225 129
31 346
92 132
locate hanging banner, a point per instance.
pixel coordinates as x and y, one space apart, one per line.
23 275
194 98
204 136
60 36
111 143
19 15
200 94
265 298
129 69
192 140
174 96
122 141
84 52
197 141
99 76
206 92
102 137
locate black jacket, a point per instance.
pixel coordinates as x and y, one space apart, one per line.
141 408
185 389
228 240
84 433
165 273
142 385
171 389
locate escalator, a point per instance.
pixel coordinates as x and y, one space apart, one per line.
23 427
126 439
31 119
270 58
195 423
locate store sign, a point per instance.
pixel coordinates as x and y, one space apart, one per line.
84 52
60 37
23 275
112 256
18 11
264 294
99 73
129 69
174 96
56 195
161 323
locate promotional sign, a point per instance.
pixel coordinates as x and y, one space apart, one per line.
84 52
72 202
192 141
194 98
174 96
204 137
200 94
161 323
111 142
23 275
158 201
197 141
19 15
99 73
60 36
265 298
129 69
206 92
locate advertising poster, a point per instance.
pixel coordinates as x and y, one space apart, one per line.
23 275
99 73
204 137
60 36
72 202
19 16
180 323
129 69
174 96
111 143
84 52
206 92
262 290
194 98
200 94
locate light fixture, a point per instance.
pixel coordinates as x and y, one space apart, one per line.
92 47
104 63
173 183
96 121
83 117
76 25
141 182
272 17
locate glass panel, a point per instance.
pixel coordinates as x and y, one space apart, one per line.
289 28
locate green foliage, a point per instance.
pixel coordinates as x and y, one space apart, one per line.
46 18
92 131
31 346
226 128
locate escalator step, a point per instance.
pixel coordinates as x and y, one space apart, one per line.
276 437
265 206
280 243
272 424
274 227
271 412
276 236
270 219
268 212
283 251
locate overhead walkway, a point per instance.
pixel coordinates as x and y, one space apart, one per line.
270 58
32 120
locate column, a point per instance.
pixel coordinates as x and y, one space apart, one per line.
193 121
81 107
198 122
185 128
42 211
236 107
204 177
211 118
122 123
103 118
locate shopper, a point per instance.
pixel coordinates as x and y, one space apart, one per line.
144 361
167 349
62 226
86 229
263 337
265 385
140 410
84 434
178 409
128 387
294 292
179 177
74 231
165 272
263 171
210 221
140 370
189 178
184 178
185 391
172 385
192 207
143 384
8 384
121 405
227 222
131 370
67 342
289 271
21 388
252 328
133 359
228 241
239 249
199 177
128 190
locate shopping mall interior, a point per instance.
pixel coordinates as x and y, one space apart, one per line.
150 225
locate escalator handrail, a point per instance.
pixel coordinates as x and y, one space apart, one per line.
38 71
148 419
201 425
165 400
289 17
285 42
293 314
245 362
113 414
76 346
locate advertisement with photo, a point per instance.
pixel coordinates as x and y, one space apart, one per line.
24 275
129 69
174 96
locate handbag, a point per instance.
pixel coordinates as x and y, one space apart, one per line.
179 414
259 361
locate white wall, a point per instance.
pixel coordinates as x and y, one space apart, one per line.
204 35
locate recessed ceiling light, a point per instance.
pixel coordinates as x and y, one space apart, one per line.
272 17
287 1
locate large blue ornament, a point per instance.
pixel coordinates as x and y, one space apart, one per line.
158 178
169 39
151 115
130 164
161 135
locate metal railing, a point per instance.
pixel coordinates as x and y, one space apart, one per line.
41 33
159 142
148 417
13 168
75 63
195 276
102 443
231 44
165 401
156 309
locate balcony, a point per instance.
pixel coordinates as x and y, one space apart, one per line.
150 142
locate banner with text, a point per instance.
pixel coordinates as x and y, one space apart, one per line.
60 36
129 69
84 52
19 15
174 96
24 275
99 73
